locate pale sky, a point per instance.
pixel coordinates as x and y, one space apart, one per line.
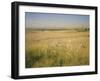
52 20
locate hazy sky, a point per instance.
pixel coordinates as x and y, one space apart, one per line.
52 20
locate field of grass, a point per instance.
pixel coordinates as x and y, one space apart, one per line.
47 48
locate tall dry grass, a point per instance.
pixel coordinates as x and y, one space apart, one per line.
56 48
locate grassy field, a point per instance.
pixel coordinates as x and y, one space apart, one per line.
52 48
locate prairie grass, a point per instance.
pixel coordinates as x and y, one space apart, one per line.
56 48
